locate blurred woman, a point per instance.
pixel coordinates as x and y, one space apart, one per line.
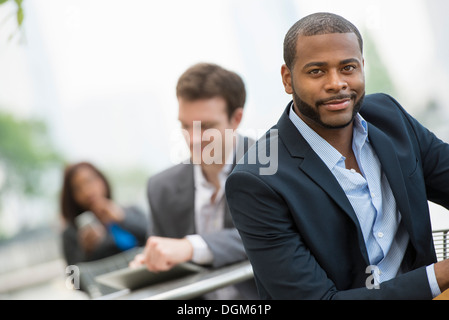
96 226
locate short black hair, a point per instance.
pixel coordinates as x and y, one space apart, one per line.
316 24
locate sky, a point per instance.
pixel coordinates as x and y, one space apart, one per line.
102 73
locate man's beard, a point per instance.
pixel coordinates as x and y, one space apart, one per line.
312 113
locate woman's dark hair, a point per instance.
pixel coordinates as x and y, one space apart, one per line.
69 207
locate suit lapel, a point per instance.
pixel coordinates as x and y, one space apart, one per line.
185 198
312 166
316 170
242 146
391 167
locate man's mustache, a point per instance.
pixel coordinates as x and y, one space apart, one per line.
334 98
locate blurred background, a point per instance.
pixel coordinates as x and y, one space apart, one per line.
95 80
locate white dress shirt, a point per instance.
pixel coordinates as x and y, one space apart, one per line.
209 218
209 215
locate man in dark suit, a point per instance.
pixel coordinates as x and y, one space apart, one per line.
345 215
190 217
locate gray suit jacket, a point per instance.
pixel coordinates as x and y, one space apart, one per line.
171 195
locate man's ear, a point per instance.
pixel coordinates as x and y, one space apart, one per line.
286 79
236 118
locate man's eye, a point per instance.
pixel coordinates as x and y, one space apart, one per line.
206 126
315 71
349 68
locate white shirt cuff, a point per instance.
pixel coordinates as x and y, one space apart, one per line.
201 252
434 287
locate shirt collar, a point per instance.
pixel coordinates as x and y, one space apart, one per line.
199 177
330 156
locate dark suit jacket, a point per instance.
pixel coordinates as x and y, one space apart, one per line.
299 229
171 199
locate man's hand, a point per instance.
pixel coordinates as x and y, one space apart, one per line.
161 254
442 274
138 260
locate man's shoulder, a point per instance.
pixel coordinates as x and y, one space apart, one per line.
381 107
379 100
262 154
173 173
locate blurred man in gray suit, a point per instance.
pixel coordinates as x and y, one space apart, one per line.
190 217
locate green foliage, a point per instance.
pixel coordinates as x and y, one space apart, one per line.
25 153
19 14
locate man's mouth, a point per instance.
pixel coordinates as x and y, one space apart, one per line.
335 105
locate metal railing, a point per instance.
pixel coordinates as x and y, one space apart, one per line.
440 240
194 286
188 287
222 279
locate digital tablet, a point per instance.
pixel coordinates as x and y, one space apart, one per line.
139 277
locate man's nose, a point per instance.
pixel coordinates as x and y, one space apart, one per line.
336 82
195 136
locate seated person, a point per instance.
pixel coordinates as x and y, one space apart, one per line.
117 228
346 213
190 217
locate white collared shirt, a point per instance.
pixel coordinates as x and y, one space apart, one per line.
209 215
209 218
